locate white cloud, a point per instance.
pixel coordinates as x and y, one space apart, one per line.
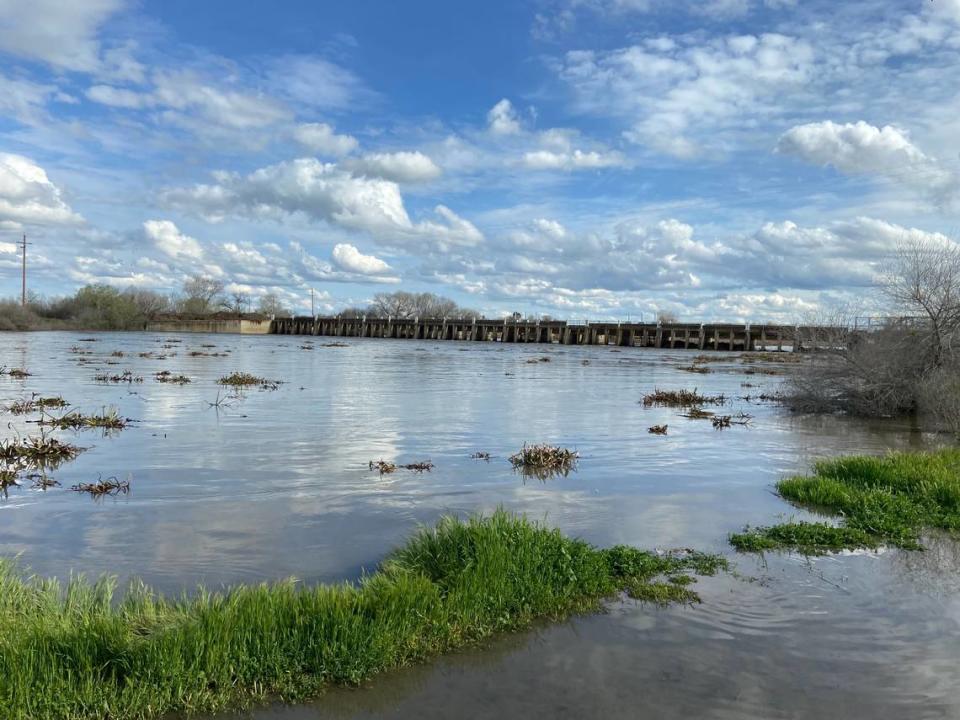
171 242
402 167
62 34
861 148
576 160
502 119
28 196
321 138
351 259
119 97
324 192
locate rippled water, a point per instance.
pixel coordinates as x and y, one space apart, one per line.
277 484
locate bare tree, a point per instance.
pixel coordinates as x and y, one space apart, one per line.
237 302
923 279
270 304
201 294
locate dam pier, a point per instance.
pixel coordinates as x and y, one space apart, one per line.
684 336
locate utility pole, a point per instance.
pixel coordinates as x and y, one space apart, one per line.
23 288
313 312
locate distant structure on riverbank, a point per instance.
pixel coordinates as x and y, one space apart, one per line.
689 336
224 322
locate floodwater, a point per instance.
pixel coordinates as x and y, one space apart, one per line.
277 483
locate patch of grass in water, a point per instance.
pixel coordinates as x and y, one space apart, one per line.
78 653
544 461
34 403
106 420
888 499
681 398
37 451
245 379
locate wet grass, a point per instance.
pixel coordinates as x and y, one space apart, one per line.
385 468
880 500
126 376
681 398
77 652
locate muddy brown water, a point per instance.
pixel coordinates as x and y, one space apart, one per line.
277 484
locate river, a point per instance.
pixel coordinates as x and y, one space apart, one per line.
277 484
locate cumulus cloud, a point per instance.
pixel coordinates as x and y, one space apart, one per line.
168 239
61 34
324 192
321 138
861 148
28 196
401 167
576 160
349 258
502 119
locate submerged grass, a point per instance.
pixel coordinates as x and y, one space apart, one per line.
888 499
78 653
106 420
37 451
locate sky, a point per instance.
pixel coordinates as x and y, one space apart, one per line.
743 160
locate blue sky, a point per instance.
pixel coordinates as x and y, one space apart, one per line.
725 159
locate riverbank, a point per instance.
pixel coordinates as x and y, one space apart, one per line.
76 652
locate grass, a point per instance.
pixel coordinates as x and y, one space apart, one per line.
165 376
79 653
100 488
18 373
880 500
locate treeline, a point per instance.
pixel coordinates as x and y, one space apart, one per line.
102 307
402 304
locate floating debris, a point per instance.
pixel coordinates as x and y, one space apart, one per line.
480 456
117 353
156 356
77 350
419 466
110 486
696 369
201 353
165 376
385 468
335 344
657 430
126 376
545 460
306 347
88 340
681 398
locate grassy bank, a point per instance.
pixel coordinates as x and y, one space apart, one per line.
76 652
882 500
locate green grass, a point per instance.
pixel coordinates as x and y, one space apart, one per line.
880 500
78 652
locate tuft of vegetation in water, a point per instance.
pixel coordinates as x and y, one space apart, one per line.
811 538
385 468
694 368
25 406
126 376
480 455
101 488
725 421
245 379
545 460
165 376
78 652
881 500
106 420
18 373
657 430
681 398
40 451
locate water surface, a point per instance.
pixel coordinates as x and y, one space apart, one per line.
277 483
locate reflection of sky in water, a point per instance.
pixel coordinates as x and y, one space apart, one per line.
278 484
